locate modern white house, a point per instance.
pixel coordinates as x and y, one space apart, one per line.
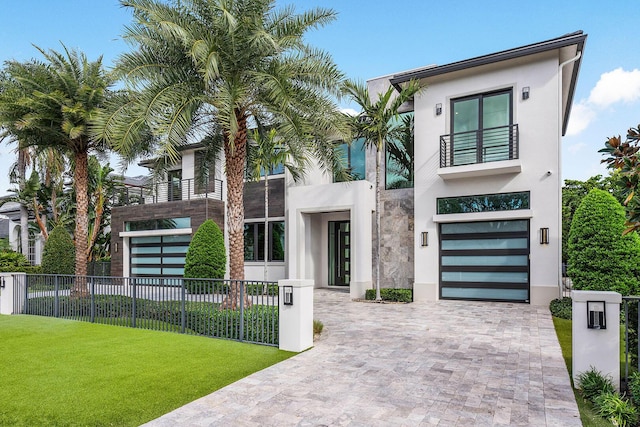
478 216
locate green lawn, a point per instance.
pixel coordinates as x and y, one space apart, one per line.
588 417
56 372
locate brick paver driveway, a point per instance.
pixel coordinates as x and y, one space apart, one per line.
446 363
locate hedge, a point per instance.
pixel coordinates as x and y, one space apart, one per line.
391 294
206 257
260 322
59 253
601 258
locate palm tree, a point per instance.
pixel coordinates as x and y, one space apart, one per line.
267 151
57 101
204 70
376 123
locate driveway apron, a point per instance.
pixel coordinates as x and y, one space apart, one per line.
445 363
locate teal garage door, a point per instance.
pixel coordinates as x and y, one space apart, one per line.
485 261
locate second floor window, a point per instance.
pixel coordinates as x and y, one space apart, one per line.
481 128
353 156
399 154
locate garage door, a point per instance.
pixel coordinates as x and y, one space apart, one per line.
485 261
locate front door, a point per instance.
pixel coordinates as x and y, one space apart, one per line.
339 253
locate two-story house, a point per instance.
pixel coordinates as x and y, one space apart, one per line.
478 217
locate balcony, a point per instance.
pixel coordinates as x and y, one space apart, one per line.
169 191
490 151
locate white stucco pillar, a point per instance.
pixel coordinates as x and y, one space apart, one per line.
12 286
296 320
596 346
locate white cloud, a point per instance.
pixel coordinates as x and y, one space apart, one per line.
616 86
581 115
613 87
349 111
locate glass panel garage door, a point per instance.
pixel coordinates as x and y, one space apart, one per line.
153 256
485 261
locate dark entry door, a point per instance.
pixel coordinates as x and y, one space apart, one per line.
339 253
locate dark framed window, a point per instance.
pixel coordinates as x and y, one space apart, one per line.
399 151
204 173
254 241
174 185
354 158
484 203
481 128
158 224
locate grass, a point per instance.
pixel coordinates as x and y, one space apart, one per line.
56 372
588 416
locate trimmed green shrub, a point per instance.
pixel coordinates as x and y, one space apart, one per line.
614 408
259 323
5 246
592 384
59 253
634 387
561 308
390 294
600 257
206 257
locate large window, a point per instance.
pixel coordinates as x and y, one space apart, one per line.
353 157
400 154
254 241
204 173
158 224
481 128
484 203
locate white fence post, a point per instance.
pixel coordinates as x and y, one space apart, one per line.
12 292
594 345
295 319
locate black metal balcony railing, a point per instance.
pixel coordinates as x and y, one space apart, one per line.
169 191
479 146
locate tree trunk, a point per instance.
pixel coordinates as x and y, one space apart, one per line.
266 223
378 162
235 159
80 178
24 213
24 230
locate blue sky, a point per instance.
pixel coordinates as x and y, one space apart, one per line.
371 38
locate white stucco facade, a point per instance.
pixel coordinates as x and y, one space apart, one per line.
536 170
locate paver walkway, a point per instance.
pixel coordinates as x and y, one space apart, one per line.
445 363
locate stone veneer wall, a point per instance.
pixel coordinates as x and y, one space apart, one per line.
397 245
197 210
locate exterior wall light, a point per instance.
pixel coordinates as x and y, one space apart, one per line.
596 315
544 236
424 238
287 292
525 93
438 109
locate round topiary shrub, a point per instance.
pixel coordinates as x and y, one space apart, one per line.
206 257
601 258
59 253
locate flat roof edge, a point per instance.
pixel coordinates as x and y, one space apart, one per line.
576 38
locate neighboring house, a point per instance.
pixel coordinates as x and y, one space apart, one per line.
478 217
10 228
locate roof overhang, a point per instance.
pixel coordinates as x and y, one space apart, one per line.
569 46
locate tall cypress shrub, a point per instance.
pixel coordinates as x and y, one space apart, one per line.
600 257
59 253
206 257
